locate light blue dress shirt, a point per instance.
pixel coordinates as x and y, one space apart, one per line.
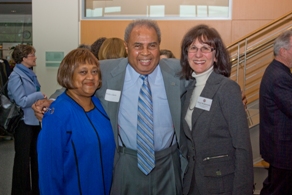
127 118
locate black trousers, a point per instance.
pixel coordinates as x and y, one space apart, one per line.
25 168
278 182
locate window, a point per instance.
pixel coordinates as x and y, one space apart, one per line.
156 9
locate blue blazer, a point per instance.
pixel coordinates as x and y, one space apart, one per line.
75 149
276 116
22 90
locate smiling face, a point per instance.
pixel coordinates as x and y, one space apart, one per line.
30 60
143 49
85 80
199 61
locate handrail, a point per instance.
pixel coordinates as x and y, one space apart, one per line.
250 56
265 45
266 26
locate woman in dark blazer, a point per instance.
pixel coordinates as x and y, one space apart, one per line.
213 119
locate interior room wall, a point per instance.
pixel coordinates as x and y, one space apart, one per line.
247 16
55 28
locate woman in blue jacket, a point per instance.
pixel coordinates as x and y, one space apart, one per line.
76 144
24 89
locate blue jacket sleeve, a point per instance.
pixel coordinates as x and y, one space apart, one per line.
51 146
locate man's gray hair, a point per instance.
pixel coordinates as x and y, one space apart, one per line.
142 22
282 41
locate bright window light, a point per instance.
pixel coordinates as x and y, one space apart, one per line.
157 11
202 11
112 9
187 11
218 11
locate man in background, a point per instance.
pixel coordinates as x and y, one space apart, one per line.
276 118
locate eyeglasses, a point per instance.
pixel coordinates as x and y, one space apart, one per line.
204 49
31 55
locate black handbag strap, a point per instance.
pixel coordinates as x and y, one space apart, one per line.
4 90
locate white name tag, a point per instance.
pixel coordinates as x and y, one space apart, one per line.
112 95
204 103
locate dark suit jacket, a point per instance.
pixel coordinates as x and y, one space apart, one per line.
276 116
220 156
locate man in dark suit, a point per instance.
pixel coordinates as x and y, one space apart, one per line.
276 118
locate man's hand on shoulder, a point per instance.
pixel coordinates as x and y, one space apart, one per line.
40 107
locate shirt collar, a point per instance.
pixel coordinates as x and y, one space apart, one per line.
131 74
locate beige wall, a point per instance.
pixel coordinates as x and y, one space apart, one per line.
55 28
247 16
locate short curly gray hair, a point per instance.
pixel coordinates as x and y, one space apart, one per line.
282 41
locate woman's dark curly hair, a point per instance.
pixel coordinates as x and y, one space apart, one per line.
21 51
211 37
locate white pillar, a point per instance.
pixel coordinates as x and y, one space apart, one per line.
55 25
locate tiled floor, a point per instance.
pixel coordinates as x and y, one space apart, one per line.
6 164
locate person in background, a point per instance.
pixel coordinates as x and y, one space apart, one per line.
95 47
165 53
213 119
76 144
24 89
84 46
112 48
276 118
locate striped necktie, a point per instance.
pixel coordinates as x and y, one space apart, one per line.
145 134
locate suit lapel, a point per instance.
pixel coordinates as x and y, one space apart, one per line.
209 91
172 85
116 83
186 104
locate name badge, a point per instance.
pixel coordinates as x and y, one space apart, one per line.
204 103
112 95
